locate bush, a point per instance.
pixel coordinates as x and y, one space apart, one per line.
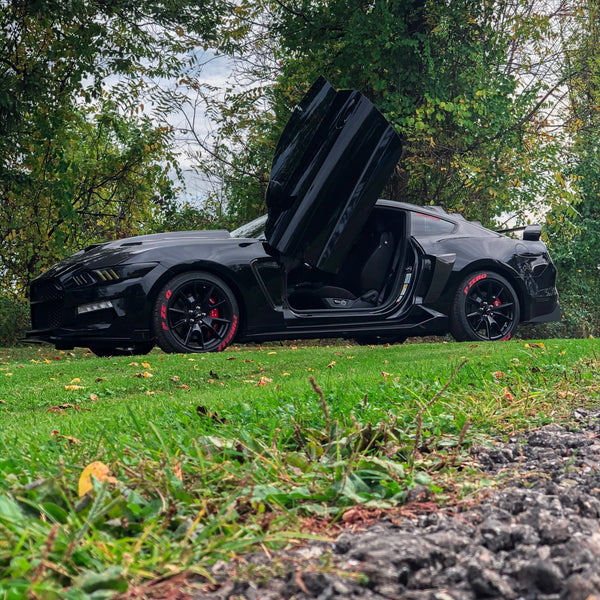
14 319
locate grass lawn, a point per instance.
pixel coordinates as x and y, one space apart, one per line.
200 457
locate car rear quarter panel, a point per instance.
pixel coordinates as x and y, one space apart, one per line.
492 253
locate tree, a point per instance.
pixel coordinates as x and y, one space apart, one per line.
99 176
474 89
77 162
575 237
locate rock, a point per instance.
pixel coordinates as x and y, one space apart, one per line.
541 574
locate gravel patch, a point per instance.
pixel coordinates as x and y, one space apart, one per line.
536 538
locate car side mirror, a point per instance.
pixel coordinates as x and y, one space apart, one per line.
532 233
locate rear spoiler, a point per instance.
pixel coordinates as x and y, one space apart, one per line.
531 233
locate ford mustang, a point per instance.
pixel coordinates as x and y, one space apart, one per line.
329 259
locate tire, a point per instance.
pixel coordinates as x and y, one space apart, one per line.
485 308
140 348
195 312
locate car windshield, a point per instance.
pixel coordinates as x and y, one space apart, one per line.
254 229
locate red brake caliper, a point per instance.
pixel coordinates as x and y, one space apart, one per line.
497 302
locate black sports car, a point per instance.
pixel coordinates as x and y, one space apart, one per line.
329 259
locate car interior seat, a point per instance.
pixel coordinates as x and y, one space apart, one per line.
360 291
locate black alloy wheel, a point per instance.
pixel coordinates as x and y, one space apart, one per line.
195 312
485 308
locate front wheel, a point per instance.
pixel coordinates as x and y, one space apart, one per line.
195 312
485 308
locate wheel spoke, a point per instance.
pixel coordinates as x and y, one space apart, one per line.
207 295
177 310
188 337
178 323
218 320
487 329
497 310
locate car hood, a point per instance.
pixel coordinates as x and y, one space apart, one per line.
113 253
334 157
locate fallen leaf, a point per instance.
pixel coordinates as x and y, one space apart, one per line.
263 381
71 388
99 379
72 440
385 375
133 364
93 397
76 380
499 375
175 378
272 352
184 387
202 411
230 358
507 394
213 375
178 472
146 365
150 393
331 364
145 374
99 470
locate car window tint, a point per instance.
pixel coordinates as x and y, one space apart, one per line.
422 224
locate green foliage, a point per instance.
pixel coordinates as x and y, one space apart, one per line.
77 163
451 78
575 236
14 319
95 176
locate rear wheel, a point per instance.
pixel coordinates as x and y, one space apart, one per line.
140 348
195 312
485 308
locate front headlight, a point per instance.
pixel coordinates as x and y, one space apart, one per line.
86 277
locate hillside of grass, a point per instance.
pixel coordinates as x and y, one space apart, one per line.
192 458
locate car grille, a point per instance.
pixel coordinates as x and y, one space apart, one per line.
46 304
46 316
46 291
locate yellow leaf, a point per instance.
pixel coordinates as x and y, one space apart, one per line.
76 380
71 388
146 366
99 470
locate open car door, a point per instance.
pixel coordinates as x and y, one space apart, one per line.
334 157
